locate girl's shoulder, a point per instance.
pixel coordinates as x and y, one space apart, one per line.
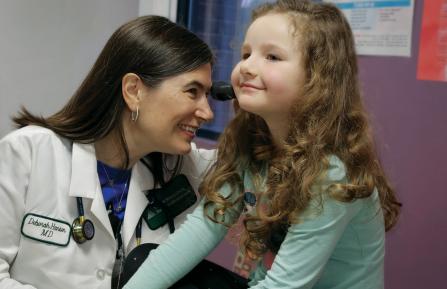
336 170
334 174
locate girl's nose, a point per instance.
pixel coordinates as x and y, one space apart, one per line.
247 66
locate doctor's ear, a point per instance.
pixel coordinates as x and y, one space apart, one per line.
132 89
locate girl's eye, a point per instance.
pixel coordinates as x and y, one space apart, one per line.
245 55
272 57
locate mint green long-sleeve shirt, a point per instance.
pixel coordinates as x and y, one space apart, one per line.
335 245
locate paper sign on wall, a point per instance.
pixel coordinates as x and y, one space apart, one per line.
380 27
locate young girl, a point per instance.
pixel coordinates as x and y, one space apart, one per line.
300 144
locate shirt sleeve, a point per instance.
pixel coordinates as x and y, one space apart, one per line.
309 244
196 164
183 250
15 168
204 159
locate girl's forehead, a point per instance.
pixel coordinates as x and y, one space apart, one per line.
273 29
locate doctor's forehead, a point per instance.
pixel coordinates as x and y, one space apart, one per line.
199 78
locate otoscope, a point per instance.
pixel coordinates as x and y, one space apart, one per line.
221 90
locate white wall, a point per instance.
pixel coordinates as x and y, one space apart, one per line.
166 8
47 48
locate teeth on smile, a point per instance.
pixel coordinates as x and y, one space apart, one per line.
188 128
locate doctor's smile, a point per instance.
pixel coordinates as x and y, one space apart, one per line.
190 131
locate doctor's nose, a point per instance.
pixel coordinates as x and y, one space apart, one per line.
204 111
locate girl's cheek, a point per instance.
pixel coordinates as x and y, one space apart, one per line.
275 81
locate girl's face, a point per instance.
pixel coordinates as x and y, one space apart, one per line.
270 75
170 114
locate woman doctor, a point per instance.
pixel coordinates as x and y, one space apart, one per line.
72 185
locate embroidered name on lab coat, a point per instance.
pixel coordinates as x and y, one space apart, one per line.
45 229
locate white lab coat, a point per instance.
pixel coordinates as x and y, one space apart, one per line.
42 174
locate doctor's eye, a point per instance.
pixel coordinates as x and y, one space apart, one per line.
193 92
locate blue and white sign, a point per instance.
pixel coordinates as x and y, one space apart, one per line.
380 27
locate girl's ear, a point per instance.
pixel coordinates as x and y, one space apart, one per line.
131 89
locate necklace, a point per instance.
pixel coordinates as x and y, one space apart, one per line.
111 183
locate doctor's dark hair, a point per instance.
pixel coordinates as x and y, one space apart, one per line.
152 47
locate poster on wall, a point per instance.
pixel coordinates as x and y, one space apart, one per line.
380 27
432 62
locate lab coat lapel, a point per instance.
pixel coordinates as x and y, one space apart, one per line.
141 180
85 184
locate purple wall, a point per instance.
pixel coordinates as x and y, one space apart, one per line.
409 118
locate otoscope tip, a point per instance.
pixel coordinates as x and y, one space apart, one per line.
221 90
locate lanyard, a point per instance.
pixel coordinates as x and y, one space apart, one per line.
120 256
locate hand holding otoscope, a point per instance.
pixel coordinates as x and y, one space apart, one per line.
220 90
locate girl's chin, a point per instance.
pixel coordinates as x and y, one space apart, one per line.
249 107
